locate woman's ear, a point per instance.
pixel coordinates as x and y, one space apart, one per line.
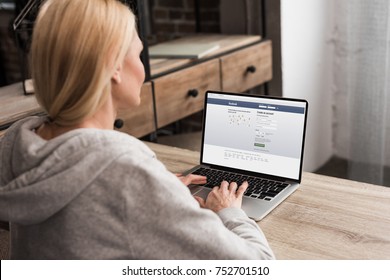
116 77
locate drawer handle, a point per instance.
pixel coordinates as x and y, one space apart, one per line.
193 93
118 123
251 69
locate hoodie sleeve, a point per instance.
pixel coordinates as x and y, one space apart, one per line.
166 222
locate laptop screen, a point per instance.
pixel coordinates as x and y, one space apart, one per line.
254 133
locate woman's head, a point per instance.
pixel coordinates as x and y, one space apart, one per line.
77 46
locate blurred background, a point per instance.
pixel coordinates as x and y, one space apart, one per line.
334 53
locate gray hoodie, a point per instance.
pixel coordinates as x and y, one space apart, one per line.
98 194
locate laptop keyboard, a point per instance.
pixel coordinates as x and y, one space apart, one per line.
258 188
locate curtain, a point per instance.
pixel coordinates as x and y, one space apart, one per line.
362 82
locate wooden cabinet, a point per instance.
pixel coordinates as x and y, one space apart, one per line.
181 93
241 63
14 105
140 121
177 86
247 68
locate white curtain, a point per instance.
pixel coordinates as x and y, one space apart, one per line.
362 85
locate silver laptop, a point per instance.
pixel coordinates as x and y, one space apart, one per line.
252 138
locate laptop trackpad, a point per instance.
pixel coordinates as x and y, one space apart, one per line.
202 192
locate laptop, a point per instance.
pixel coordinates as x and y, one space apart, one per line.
259 139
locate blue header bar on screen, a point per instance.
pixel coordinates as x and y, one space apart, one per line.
255 105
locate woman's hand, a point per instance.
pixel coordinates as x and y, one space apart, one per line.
225 196
192 179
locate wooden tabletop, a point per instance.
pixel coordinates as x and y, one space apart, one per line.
326 218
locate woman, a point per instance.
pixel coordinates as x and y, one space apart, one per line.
72 188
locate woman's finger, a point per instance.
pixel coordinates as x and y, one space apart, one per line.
242 189
233 187
224 185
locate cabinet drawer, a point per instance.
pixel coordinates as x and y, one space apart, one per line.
247 68
181 94
140 121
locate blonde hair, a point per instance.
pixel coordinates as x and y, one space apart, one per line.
76 47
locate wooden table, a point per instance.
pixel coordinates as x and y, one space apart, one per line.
326 218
